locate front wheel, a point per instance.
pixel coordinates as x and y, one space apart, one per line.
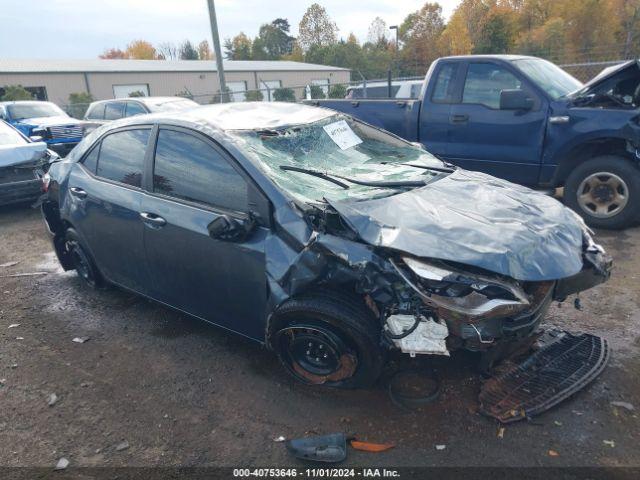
605 191
328 339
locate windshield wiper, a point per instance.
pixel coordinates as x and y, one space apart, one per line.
424 167
329 177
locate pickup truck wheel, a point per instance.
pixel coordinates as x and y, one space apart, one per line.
605 191
82 262
328 339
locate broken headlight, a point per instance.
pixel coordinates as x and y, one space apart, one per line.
462 295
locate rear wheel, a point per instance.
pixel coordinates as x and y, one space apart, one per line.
328 339
81 260
605 191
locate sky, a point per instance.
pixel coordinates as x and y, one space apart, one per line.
82 29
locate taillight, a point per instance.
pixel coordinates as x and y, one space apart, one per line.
46 179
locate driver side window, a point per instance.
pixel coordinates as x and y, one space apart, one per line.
484 83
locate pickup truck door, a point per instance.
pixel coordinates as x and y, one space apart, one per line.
504 143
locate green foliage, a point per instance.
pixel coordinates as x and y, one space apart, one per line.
253 96
337 91
15 92
317 92
188 51
316 28
137 93
284 95
78 103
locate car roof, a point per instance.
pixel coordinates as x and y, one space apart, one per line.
237 116
505 57
25 102
145 100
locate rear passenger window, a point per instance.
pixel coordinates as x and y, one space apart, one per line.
187 167
443 91
122 156
91 160
113 111
134 108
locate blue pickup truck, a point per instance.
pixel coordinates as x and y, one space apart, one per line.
45 120
528 121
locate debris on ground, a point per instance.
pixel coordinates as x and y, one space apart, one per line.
326 448
610 443
23 274
625 405
440 447
557 423
52 399
62 464
81 339
3 381
371 447
14 325
8 264
19 338
122 446
279 439
501 433
576 412
553 453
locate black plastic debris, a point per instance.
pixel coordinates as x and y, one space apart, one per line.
562 364
326 448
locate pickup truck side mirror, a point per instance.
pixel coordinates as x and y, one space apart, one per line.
36 138
515 99
230 229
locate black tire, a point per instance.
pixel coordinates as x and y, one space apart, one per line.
337 324
620 179
82 261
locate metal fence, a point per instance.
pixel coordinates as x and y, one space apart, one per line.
364 88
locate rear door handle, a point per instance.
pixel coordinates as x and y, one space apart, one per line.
78 192
462 118
152 219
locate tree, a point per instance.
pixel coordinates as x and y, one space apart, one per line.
628 13
498 31
253 96
377 33
337 91
137 93
238 48
316 28
284 95
141 50
113 53
168 50
187 51
15 92
204 51
78 103
317 92
455 39
419 32
591 26
274 39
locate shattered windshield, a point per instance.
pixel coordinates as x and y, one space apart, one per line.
326 158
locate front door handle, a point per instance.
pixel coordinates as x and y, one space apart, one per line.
462 118
78 192
152 219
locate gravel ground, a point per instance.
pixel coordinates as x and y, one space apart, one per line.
181 392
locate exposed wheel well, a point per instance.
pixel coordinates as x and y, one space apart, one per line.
585 151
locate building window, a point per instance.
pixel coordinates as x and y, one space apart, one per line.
238 90
133 90
267 87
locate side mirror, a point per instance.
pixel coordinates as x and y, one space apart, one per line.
230 229
515 100
36 138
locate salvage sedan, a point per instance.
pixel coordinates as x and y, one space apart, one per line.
327 239
22 162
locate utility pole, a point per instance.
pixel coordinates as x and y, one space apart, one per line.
395 27
218 51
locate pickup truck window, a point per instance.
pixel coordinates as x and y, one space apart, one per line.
484 83
551 78
23 110
445 82
372 156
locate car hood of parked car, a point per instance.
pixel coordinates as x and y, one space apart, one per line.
49 121
474 219
20 154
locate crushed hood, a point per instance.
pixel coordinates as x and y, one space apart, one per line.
474 219
22 154
610 75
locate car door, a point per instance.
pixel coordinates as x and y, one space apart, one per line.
195 182
104 195
505 143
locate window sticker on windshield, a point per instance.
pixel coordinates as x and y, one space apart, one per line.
341 133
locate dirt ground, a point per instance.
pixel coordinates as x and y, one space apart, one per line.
181 392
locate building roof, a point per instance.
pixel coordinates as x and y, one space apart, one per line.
111 66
